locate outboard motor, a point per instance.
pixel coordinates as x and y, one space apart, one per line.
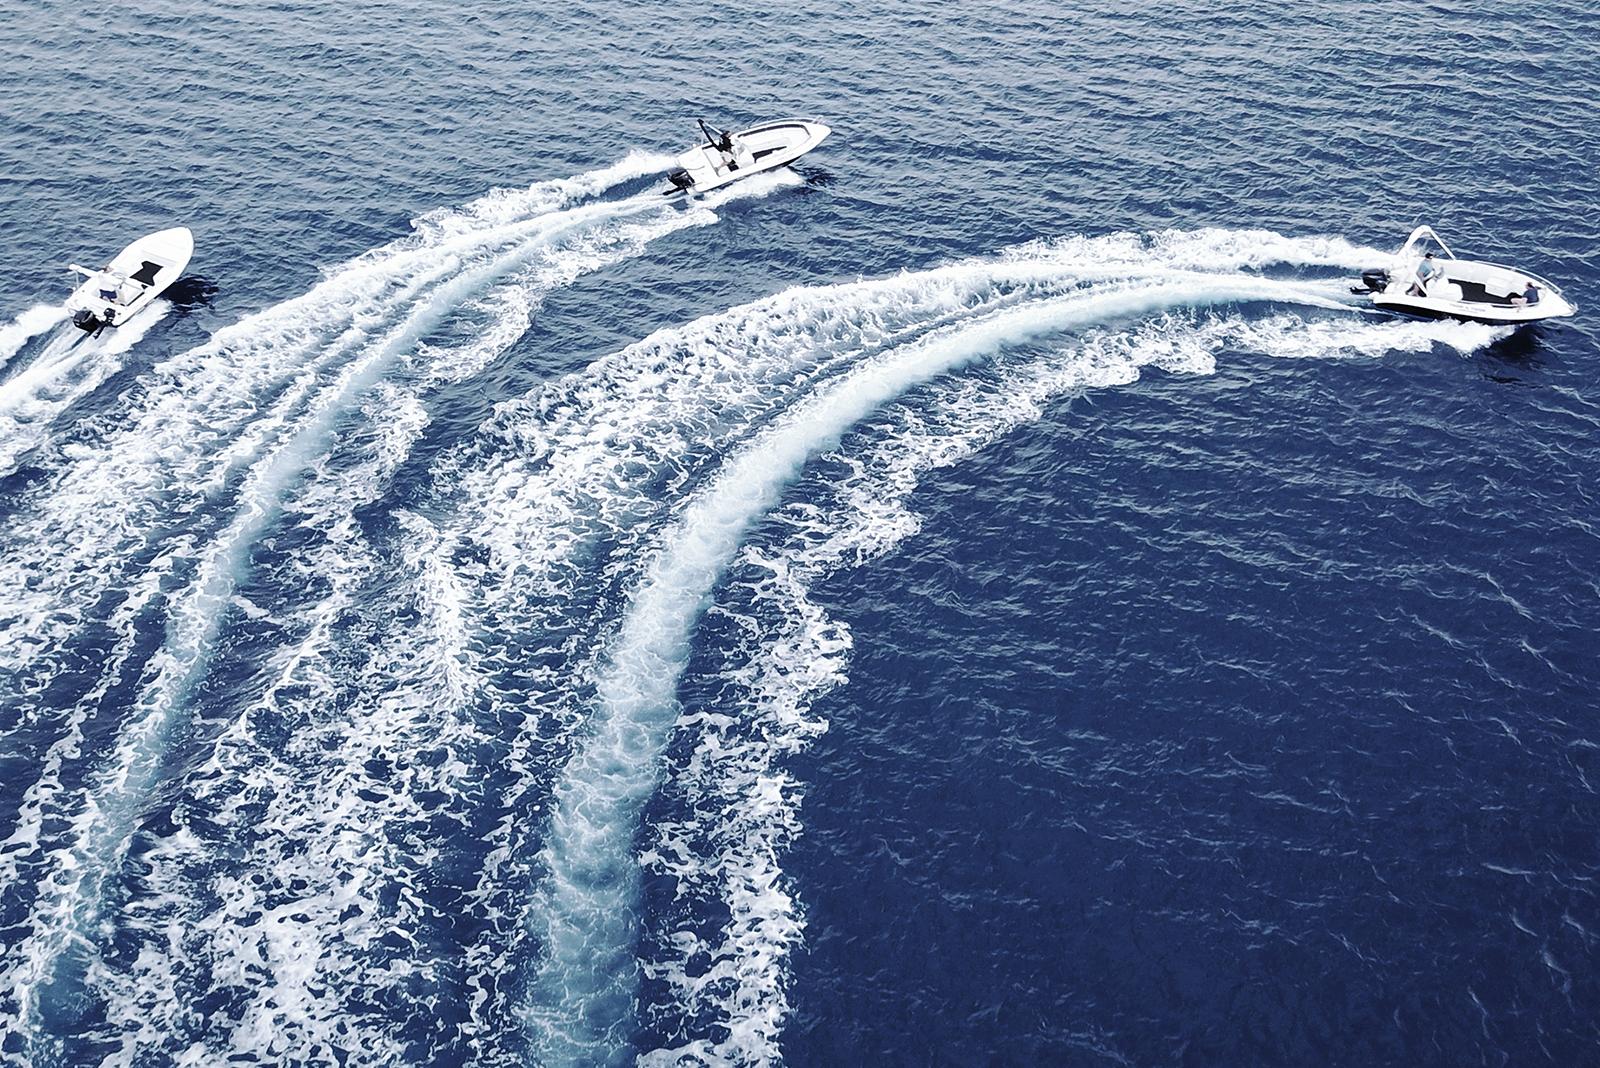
85 320
681 179
1373 280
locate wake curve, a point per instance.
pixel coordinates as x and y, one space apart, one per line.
565 244
729 985
641 473
585 990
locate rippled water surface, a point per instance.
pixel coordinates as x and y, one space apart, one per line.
986 595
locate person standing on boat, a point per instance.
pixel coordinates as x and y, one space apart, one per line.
109 284
1427 271
734 151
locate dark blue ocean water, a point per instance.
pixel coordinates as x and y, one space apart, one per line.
987 596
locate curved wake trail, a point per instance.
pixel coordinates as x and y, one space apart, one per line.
582 1010
565 245
196 421
723 857
416 834
403 704
343 354
570 487
254 792
153 473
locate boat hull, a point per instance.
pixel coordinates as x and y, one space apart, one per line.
1469 312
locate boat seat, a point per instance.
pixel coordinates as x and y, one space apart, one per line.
1478 293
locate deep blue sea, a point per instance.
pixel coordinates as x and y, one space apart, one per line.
989 595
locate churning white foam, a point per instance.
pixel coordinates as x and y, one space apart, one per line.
302 898
100 491
571 485
1206 249
730 987
273 803
1330 338
582 1004
68 370
197 420
27 326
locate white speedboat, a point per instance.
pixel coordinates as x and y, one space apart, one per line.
728 156
1427 279
135 276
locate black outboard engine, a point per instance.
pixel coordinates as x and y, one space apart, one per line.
85 320
1373 280
681 179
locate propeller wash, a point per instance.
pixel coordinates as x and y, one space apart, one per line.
331 764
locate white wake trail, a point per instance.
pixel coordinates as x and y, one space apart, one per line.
584 994
27 326
198 419
101 830
159 457
32 399
111 495
645 470
402 701
581 473
729 986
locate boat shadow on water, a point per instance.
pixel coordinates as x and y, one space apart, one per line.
190 292
814 177
1516 359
